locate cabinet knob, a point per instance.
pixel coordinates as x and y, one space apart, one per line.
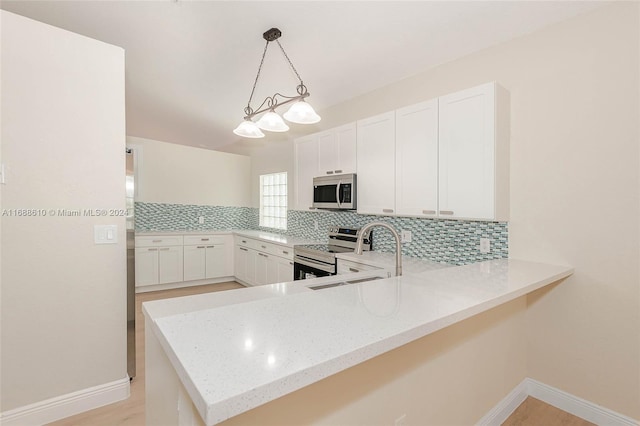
447 212
387 210
428 212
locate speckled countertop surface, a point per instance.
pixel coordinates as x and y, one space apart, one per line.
238 349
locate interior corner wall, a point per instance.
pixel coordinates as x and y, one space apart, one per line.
574 189
63 306
272 158
177 174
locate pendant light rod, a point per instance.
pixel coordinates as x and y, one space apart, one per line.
272 103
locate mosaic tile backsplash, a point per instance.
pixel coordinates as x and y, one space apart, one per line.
447 241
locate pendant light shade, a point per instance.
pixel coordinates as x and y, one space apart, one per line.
272 122
301 113
248 129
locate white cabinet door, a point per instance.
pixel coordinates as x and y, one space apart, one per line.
466 153
146 266
261 268
194 263
272 269
285 270
346 142
376 164
217 261
241 260
306 168
170 263
337 150
417 159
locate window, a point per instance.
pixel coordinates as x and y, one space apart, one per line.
273 200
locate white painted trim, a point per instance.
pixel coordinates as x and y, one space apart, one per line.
67 405
577 406
584 409
498 414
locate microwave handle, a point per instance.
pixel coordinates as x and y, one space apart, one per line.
338 194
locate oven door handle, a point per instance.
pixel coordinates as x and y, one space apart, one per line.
314 264
338 194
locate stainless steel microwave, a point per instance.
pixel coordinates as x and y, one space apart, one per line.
336 192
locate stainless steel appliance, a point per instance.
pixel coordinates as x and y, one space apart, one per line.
336 192
319 260
131 259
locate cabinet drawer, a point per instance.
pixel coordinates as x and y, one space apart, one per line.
159 241
194 240
348 267
247 242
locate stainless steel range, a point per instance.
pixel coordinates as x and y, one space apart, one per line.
319 260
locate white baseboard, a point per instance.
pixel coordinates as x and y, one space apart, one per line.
67 405
498 414
586 410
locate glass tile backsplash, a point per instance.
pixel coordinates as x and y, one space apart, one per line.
447 241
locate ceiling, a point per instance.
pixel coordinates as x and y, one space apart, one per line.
190 65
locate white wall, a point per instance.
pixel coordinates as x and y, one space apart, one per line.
63 307
574 190
272 158
178 174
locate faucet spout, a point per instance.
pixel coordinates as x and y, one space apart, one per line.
396 236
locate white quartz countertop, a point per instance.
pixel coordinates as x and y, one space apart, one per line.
410 265
238 349
269 237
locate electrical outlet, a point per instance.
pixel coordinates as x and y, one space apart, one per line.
201 220
405 236
485 245
400 421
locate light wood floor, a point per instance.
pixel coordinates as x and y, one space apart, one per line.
533 412
130 412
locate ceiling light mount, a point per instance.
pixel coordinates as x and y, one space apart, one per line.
300 112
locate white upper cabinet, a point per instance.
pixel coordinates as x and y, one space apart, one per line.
306 168
473 154
417 159
376 164
337 150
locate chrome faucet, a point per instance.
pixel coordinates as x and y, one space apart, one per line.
365 229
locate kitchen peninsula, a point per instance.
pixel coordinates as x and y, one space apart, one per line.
218 356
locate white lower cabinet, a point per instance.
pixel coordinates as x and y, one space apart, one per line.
207 257
159 260
256 263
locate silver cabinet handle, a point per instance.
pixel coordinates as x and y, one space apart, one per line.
210 246
243 249
338 171
156 241
285 252
290 263
244 241
263 255
354 270
264 247
447 212
387 210
428 212
200 247
312 208
153 249
165 248
204 239
329 172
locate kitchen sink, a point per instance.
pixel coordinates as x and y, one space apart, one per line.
341 283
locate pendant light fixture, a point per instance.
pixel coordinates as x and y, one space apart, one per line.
300 112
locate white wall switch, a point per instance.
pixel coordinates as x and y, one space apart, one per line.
485 245
105 234
406 236
201 220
